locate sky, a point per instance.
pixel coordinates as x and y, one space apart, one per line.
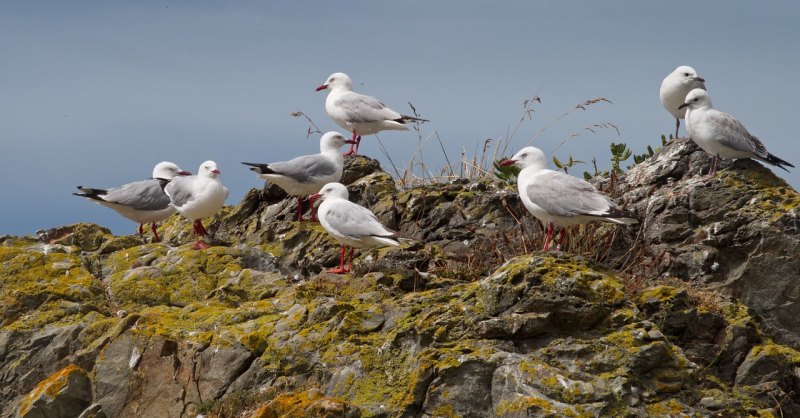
95 93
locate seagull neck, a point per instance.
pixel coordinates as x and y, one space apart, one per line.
528 172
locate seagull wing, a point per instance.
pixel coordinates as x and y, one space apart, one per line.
563 195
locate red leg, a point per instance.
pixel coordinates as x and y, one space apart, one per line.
199 230
299 208
713 169
155 233
358 142
350 261
341 268
547 236
353 147
141 229
562 238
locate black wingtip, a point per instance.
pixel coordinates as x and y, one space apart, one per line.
260 168
778 162
405 119
90 193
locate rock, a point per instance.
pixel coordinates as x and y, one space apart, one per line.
63 394
737 232
466 321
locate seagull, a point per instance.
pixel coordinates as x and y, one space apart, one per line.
722 135
198 197
143 202
554 197
305 175
674 89
359 113
351 224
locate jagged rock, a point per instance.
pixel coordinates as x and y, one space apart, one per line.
63 394
738 232
467 321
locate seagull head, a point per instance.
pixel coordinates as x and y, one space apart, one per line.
527 157
336 81
686 75
697 98
167 170
332 141
331 191
209 169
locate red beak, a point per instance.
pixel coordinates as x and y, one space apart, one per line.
350 141
322 87
184 173
216 171
314 197
507 163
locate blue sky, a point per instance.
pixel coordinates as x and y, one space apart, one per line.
96 93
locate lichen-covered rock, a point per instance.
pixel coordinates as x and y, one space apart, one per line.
63 394
466 321
738 232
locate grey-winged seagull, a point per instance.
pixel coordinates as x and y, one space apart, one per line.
143 202
674 89
305 175
351 224
359 113
722 135
555 197
198 197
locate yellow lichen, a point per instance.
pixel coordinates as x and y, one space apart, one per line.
51 387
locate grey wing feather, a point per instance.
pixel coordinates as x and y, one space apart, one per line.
177 191
140 195
360 108
350 220
733 134
305 169
564 195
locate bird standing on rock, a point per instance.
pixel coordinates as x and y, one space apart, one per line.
358 113
674 89
143 202
722 135
305 175
351 224
198 197
554 197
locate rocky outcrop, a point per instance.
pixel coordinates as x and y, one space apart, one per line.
467 321
738 232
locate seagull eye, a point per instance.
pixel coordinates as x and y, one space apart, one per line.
686 74
524 155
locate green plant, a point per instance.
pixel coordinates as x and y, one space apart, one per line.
507 174
619 153
567 165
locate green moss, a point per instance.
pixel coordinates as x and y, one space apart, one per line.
37 288
769 348
523 404
658 294
774 197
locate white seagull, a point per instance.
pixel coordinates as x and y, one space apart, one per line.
198 197
143 202
674 89
555 197
351 224
359 113
305 175
722 135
